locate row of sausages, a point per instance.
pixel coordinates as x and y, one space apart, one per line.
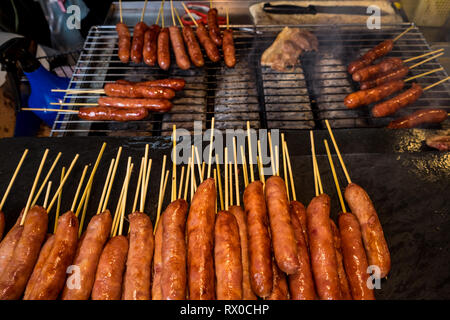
271 249
151 44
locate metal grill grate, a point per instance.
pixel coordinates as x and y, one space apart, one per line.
300 98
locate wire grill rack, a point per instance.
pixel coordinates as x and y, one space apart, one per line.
298 99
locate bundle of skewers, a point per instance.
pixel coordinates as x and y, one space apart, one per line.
152 44
381 80
124 100
268 246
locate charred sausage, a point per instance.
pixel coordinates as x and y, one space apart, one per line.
372 71
419 117
137 91
150 50
391 106
211 50
181 56
379 51
173 277
229 52
124 42
163 52
389 76
366 97
172 83
156 105
345 288
136 283
261 273
195 53
112 114
138 42
213 27
372 233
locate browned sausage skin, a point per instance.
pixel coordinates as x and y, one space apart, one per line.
283 239
280 287
241 218
227 257
124 42
137 91
112 114
2 224
213 26
155 105
163 53
301 284
391 106
299 210
211 50
261 273
150 50
14 277
345 288
355 259
370 72
389 76
138 42
176 84
365 97
181 56
229 52
372 233
157 263
87 256
200 240
195 53
136 283
379 51
323 255
8 244
52 276
419 117
109 275
173 277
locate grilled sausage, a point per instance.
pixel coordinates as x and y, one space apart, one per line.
137 91
239 214
355 259
379 51
136 284
163 52
323 254
124 42
157 264
370 72
150 49
280 288
138 42
300 211
229 52
391 106
87 256
389 76
109 275
419 117
2 224
112 114
195 53
345 288
173 277
366 97
227 257
16 274
211 50
283 239
261 273
156 105
172 83
9 243
51 278
372 232
200 240
213 27
181 56
301 284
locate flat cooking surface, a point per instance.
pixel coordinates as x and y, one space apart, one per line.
407 182
300 98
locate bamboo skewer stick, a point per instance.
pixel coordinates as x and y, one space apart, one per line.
80 184
124 200
47 193
199 165
161 185
403 33
49 110
285 176
58 203
178 17
225 164
50 171
423 74
120 12
277 161
272 161
105 187
33 188
244 166
138 186
192 176
236 177
147 179
228 18
174 162
426 60
189 13
144 175
435 84
291 176
203 170
111 182
158 214
316 166
173 16
83 214
250 154
143 10
333 171
119 203
162 14
219 180
159 12
180 188
261 167
344 168
188 172
231 183
13 178
215 183
423 55
210 148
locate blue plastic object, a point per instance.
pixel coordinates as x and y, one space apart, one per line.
42 82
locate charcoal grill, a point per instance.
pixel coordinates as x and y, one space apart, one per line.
299 99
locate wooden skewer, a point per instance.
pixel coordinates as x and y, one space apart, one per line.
161 201
423 55
47 193
79 91
291 176
173 16
138 186
80 184
261 167
231 183
347 176
225 164
210 148
313 151
272 161
435 84
333 171
219 180
215 182
119 202
180 188
120 205
203 169
33 188
159 11
143 10
192 177
178 17
402 34
188 173
49 110
277 161
124 200
161 185
147 179
105 187
61 185
236 176
120 8
189 13
316 184
83 214
174 161
250 152
50 171
285 176
58 204
244 166
199 165
423 74
11 182
193 172
73 104
210 3
228 18
111 182
144 179
162 14
426 60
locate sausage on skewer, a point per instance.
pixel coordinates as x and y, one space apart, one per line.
366 97
391 106
379 51
137 44
389 76
370 72
419 117
345 288
179 50
229 52
163 53
280 287
150 49
211 50
137 91
124 42
157 105
157 264
195 53
172 83
8 244
111 113
213 27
